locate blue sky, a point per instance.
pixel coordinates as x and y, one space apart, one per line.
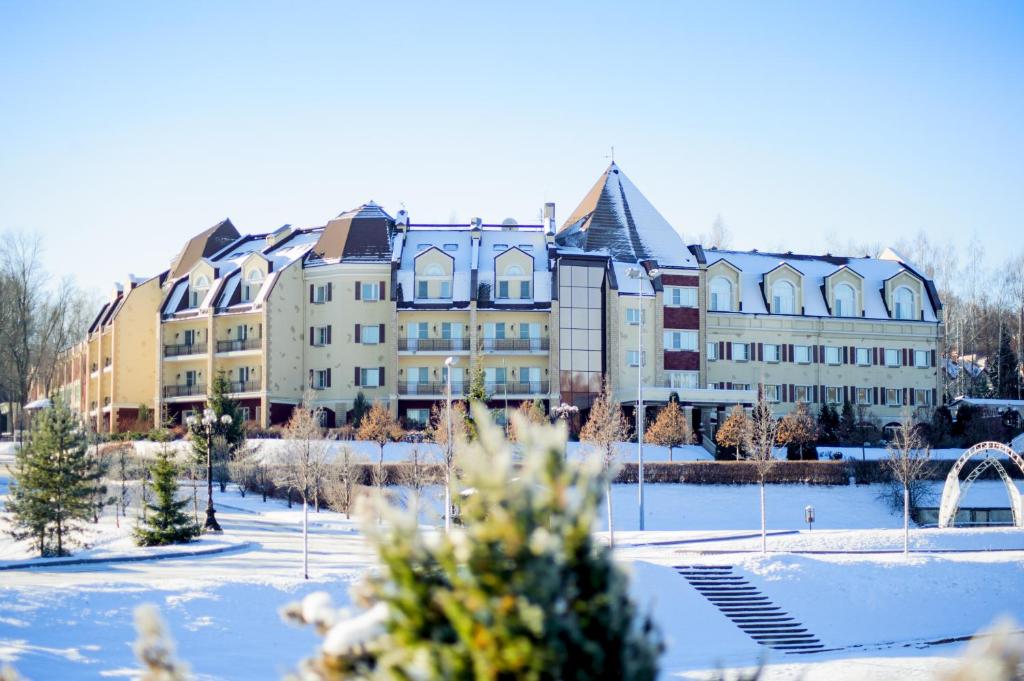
126 128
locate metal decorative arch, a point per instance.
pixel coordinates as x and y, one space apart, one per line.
953 490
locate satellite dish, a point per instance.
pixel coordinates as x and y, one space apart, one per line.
509 222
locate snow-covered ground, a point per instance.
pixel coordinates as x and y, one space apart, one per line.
877 611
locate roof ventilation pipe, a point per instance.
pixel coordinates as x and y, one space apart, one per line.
549 221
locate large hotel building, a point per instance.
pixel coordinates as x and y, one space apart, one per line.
374 304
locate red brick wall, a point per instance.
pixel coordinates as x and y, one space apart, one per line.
682 318
683 360
679 280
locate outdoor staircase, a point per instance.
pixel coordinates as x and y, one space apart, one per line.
749 609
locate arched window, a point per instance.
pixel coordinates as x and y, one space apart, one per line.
252 285
434 270
200 287
513 271
903 303
721 295
844 301
783 297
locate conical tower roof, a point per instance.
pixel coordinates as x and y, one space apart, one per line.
615 217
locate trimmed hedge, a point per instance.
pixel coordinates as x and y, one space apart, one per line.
738 472
865 472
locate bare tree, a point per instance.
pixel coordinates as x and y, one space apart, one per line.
720 236
303 461
378 425
908 458
342 479
447 429
605 428
761 437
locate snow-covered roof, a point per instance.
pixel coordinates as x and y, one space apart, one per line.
530 241
815 268
627 285
454 241
615 216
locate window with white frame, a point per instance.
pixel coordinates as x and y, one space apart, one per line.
680 296
863 396
834 394
804 393
252 285
635 358
894 397
771 353
783 297
201 286
681 340
633 315
833 355
369 334
245 414
903 303
322 336
844 298
772 393
369 378
321 379
741 386
320 294
892 358
503 289
524 289
864 356
740 352
921 359
422 288
802 354
446 289
684 379
370 291
922 397
712 351
720 296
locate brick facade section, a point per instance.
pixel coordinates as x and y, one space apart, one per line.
682 318
679 280
682 361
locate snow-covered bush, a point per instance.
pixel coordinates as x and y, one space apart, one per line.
521 590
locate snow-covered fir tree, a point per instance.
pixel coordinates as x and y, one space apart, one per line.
166 522
53 487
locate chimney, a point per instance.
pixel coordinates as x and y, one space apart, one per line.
402 220
474 229
278 235
549 222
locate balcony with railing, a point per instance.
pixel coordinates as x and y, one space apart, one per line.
498 390
185 390
185 349
239 345
431 389
250 386
433 345
515 344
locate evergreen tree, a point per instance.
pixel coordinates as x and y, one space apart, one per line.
671 429
942 427
53 489
828 425
359 409
847 423
230 436
1004 373
166 522
525 591
478 386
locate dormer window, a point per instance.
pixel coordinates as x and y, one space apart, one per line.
451 247
426 281
783 297
514 279
903 303
252 285
498 248
721 295
200 287
844 305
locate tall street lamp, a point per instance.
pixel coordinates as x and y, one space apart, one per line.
207 426
640 275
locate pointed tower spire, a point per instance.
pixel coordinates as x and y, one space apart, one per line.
616 217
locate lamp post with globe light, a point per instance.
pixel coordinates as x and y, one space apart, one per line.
206 426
